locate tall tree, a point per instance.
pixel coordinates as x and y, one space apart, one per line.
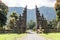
13 19
57 8
3 13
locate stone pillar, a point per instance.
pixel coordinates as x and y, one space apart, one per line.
24 19
38 18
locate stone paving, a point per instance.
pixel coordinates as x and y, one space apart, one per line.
33 36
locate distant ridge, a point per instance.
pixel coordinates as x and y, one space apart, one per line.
49 12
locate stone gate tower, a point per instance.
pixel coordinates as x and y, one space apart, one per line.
21 23
38 18
41 21
24 19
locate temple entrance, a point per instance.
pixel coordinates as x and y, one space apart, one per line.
40 23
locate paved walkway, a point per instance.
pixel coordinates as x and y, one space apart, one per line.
33 36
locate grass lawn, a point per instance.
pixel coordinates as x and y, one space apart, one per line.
53 36
10 36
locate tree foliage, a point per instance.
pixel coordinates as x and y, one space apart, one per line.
52 24
14 14
31 24
13 19
4 8
3 14
57 8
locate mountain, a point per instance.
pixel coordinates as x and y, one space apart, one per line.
17 9
48 12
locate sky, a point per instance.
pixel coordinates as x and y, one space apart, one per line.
30 3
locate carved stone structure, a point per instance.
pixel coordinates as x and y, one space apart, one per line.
21 23
41 21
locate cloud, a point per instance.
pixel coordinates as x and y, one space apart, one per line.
10 3
30 3
51 0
